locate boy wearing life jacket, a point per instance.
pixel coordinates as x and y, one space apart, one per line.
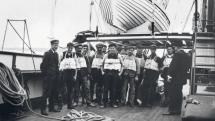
69 67
83 66
152 67
167 59
96 72
130 71
112 69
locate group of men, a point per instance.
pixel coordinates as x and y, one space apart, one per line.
107 76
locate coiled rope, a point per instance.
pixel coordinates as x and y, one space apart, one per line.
13 93
10 87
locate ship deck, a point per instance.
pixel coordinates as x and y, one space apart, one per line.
118 114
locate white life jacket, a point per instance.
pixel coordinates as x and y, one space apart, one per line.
112 64
97 63
81 62
167 61
130 64
141 61
68 63
151 64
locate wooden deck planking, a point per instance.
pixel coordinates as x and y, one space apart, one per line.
119 114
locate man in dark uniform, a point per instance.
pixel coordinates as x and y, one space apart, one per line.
50 69
152 67
69 67
83 66
97 78
177 77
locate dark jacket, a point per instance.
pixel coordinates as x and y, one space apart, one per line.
179 67
50 63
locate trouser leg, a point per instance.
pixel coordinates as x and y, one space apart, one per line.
107 79
131 91
77 89
46 92
92 88
86 89
113 86
99 87
124 89
176 97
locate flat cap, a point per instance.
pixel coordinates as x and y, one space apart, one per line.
55 41
70 44
99 45
112 45
177 43
153 46
85 45
130 47
78 45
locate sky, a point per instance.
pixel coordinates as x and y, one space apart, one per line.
71 17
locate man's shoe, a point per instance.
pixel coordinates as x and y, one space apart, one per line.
75 104
44 112
91 105
70 107
55 109
115 106
148 105
171 113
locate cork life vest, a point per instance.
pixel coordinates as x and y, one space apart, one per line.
68 61
112 62
97 62
167 60
81 62
130 63
152 64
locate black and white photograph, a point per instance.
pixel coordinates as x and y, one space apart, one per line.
107 60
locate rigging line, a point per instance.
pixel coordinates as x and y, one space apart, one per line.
30 44
4 35
188 16
23 45
21 37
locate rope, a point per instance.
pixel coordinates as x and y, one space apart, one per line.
10 86
12 90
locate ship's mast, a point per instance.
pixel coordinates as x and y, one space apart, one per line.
52 25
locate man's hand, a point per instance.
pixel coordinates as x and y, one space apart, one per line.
75 77
136 78
169 78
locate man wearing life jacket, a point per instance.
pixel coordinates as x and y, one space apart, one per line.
166 62
141 57
112 69
69 67
152 67
83 66
96 72
122 52
130 71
